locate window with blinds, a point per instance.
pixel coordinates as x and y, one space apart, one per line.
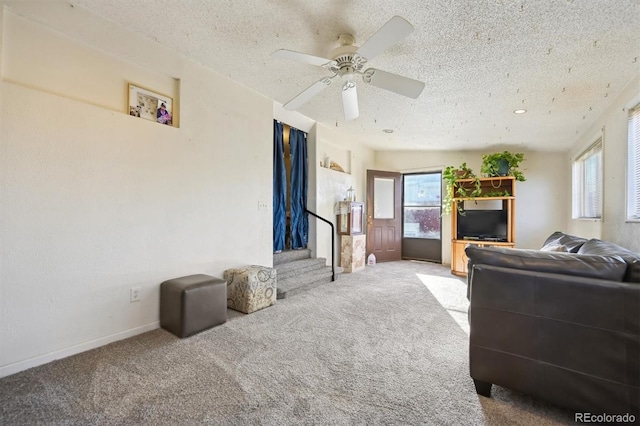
633 171
587 183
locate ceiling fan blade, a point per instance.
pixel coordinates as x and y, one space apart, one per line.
303 57
392 32
350 101
393 82
308 93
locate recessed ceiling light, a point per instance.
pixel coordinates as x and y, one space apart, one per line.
520 111
387 130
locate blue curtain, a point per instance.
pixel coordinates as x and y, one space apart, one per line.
279 189
299 181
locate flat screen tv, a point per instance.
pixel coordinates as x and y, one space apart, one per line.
482 225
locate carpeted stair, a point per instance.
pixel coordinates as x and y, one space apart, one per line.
298 272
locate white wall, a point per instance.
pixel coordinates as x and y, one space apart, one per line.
94 201
540 200
331 186
613 125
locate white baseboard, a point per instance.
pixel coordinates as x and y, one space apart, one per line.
16 367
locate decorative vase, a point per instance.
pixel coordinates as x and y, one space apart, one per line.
503 167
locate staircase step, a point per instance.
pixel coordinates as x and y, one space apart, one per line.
299 267
290 256
297 284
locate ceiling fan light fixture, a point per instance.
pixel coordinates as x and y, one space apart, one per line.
519 111
348 60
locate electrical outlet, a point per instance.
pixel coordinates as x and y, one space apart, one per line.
134 295
262 205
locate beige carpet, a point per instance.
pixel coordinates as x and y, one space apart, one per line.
382 346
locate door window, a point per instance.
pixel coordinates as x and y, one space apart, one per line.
383 198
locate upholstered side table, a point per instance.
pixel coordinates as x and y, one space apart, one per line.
192 304
250 288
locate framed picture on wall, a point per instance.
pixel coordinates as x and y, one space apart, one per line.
150 105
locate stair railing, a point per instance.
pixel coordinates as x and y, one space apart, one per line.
333 245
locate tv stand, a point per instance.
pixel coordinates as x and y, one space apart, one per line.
504 185
459 258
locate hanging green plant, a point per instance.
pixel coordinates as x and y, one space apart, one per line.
502 164
453 189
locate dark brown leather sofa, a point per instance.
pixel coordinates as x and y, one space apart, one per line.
561 324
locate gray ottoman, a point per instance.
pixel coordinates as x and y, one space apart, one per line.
192 304
250 288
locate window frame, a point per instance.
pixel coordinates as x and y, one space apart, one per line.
632 196
427 205
580 207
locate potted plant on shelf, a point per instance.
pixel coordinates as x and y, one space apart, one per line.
451 175
502 164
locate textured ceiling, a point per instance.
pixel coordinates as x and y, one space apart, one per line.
562 60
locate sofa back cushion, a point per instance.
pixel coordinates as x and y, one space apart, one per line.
589 265
571 243
553 246
605 248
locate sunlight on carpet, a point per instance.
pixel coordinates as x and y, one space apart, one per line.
451 293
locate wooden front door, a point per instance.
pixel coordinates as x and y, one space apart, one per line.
384 218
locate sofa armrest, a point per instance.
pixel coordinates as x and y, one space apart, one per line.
591 302
586 325
571 340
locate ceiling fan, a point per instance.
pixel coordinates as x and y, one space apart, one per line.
348 61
